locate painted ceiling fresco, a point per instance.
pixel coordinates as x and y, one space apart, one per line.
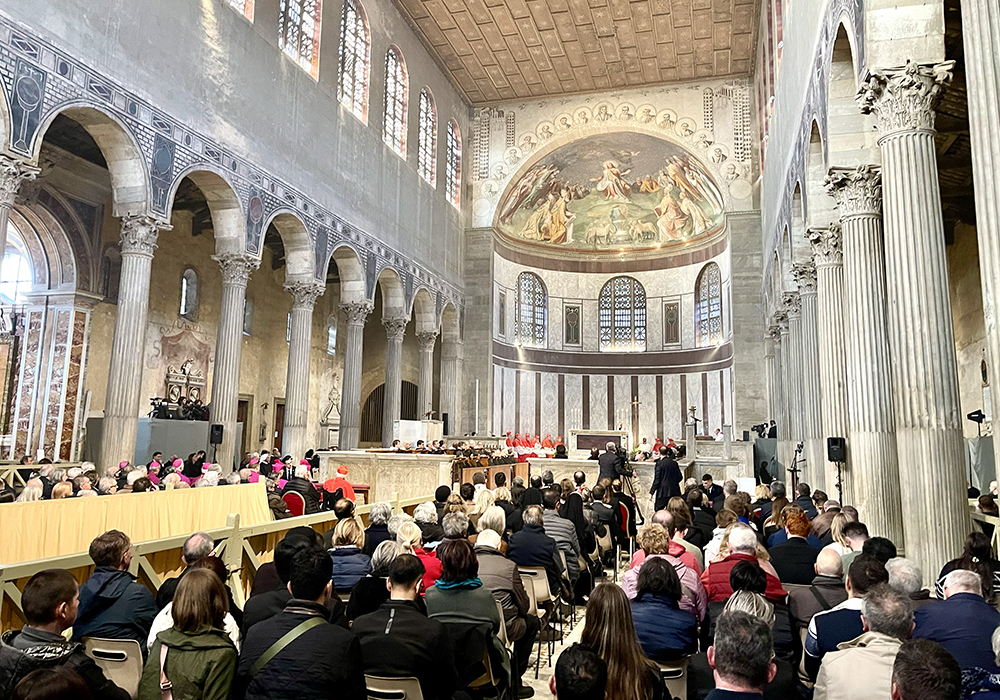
612 193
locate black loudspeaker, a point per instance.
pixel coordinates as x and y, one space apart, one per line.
444 419
746 436
215 434
836 449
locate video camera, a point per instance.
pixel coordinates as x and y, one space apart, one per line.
760 429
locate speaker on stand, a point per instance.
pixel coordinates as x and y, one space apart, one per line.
836 451
215 439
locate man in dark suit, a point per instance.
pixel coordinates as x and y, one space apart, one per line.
532 547
611 464
802 498
963 623
667 479
772 432
795 560
711 489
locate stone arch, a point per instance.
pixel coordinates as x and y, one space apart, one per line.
5 122
228 219
352 274
53 264
130 183
819 205
797 238
297 243
851 135
393 294
451 330
424 311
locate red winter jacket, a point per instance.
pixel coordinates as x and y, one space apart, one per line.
716 580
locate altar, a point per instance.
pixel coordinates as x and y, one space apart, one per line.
581 442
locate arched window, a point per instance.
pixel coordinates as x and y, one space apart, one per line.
355 45
427 138
331 335
298 32
245 7
16 276
247 316
189 295
622 316
453 164
396 92
531 310
708 307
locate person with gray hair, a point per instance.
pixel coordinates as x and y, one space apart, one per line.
777 491
107 486
233 479
826 590
426 517
455 526
196 547
963 623
395 520
532 547
741 657
862 667
378 527
907 578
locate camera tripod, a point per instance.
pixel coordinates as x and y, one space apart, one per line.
629 487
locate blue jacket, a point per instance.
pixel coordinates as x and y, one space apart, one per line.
114 606
349 567
780 537
665 631
963 625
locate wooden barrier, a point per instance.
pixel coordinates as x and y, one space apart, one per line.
242 549
978 519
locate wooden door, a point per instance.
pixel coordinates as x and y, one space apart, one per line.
279 425
243 416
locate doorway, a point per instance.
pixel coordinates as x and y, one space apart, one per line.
243 417
279 424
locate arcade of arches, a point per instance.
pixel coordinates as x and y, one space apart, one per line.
522 218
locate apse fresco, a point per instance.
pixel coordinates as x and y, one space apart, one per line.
612 192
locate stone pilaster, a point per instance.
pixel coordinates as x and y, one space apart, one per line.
395 329
782 358
874 466
236 271
921 338
812 428
828 257
981 31
425 388
451 361
770 371
121 404
350 391
296 434
793 357
13 173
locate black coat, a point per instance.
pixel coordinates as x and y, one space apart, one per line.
399 640
807 505
374 536
267 605
702 527
114 606
308 492
611 466
322 663
795 561
532 547
667 480
47 650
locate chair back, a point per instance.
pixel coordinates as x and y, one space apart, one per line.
625 522
539 581
381 688
503 624
120 659
604 542
674 674
296 504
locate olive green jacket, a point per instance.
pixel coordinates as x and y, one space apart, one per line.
200 665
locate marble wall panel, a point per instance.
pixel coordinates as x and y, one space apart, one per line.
672 426
550 405
647 409
527 424
54 392
509 378
598 402
497 400
574 402
27 380
694 399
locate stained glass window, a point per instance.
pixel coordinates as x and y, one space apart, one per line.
298 32
355 57
622 316
453 164
531 310
244 7
427 138
708 307
396 93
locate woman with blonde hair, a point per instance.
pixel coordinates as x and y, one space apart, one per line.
483 500
63 489
610 633
350 564
655 543
410 541
840 544
31 492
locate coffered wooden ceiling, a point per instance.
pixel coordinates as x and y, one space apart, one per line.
495 50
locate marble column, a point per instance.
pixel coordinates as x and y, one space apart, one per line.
782 359
981 31
295 435
829 260
13 173
921 337
121 404
873 464
236 270
425 387
350 390
812 426
451 354
395 328
793 389
770 372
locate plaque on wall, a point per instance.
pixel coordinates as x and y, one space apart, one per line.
671 322
502 314
571 320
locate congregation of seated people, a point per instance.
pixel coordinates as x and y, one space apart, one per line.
760 596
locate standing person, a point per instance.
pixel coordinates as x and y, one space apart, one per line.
610 633
711 489
667 479
195 656
610 464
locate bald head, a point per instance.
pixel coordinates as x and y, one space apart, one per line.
828 563
666 519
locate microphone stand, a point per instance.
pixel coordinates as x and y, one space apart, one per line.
794 470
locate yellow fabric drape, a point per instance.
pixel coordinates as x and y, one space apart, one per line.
52 528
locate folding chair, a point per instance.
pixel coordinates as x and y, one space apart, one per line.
674 674
503 626
534 609
120 659
381 688
296 504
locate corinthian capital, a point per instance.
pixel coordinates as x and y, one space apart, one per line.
904 98
357 312
236 268
804 274
858 191
773 332
781 322
395 328
826 245
792 303
305 293
427 340
12 174
139 234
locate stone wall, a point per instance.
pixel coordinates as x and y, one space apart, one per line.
967 319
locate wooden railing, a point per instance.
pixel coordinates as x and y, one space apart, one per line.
242 549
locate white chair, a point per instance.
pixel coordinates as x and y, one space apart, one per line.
120 659
503 626
674 674
381 688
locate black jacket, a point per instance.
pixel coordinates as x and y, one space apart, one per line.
47 650
807 505
374 536
114 606
324 662
667 480
611 466
532 547
702 527
267 605
399 640
308 492
795 561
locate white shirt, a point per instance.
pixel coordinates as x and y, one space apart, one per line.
164 620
